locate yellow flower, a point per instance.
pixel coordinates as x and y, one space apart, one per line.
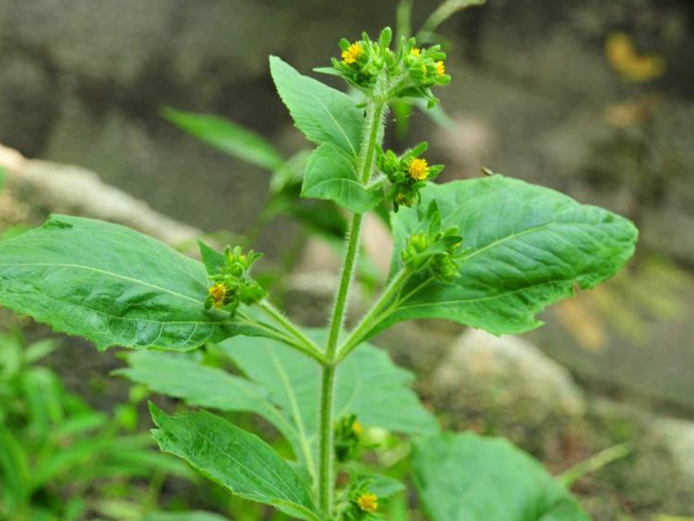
440 68
357 428
416 51
418 169
218 292
368 502
634 67
352 53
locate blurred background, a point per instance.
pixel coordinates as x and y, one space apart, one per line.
592 98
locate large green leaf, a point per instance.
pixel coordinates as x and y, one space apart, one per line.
204 386
465 477
322 113
113 286
368 384
528 247
239 461
330 175
228 137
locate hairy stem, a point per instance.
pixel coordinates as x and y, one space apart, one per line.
303 343
326 468
373 316
326 480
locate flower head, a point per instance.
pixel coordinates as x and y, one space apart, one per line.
368 502
440 68
357 428
418 169
218 293
416 51
352 53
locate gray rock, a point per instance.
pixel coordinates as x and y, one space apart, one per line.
679 437
505 384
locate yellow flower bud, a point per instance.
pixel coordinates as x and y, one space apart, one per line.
368 502
352 53
218 292
418 169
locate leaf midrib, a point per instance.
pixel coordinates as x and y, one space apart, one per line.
104 272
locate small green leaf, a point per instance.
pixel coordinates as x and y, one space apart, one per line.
290 174
213 260
114 286
237 460
528 247
183 516
444 11
330 175
228 137
39 350
322 113
466 477
437 114
384 486
14 470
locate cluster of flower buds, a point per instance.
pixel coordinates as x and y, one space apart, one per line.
433 249
409 71
233 284
348 432
407 174
362 503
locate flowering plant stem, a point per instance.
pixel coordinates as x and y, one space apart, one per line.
374 315
302 342
372 131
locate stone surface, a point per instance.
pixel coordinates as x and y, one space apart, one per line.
505 384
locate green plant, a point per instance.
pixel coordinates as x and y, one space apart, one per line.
488 253
60 459
323 220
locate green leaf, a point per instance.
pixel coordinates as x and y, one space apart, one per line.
213 260
39 350
14 470
237 460
322 113
384 486
228 137
330 175
43 392
368 384
203 386
183 516
465 477
444 11
437 114
528 248
114 286
290 173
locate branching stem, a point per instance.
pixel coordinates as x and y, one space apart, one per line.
303 343
374 315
